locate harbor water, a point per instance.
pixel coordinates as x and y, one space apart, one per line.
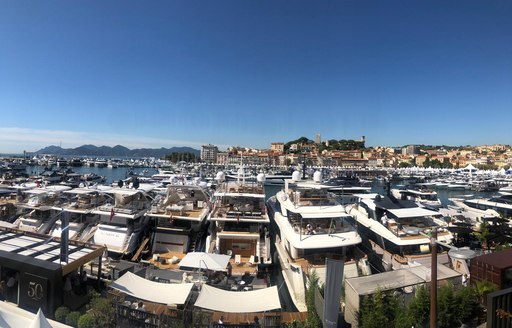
110 174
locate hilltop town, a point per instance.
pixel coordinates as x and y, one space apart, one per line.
354 154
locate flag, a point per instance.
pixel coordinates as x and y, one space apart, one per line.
170 217
112 213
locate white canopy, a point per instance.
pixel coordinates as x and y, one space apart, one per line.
201 260
40 321
151 291
12 317
260 300
412 212
470 168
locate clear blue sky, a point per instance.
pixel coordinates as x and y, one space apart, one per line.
172 73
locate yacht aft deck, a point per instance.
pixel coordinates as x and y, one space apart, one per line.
171 260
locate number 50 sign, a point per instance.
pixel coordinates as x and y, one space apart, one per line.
33 290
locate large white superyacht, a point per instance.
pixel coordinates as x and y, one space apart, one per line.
396 229
307 226
239 224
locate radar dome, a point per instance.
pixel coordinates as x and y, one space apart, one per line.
317 177
220 176
260 177
296 176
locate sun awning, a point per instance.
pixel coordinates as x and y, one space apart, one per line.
260 300
151 291
412 212
12 316
201 260
323 215
40 321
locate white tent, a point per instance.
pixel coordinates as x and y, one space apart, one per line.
470 168
12 317
201 260
260 300
40 321
151 291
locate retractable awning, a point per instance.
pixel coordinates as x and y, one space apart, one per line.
151 291
207 261
260 300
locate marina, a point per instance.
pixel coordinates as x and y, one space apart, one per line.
202 228
255 164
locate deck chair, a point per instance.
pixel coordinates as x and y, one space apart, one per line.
238 259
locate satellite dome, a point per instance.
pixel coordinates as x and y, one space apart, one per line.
220 176
260 177
296 176
317 177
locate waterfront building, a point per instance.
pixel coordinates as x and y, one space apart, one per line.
411 150
209 153
277 147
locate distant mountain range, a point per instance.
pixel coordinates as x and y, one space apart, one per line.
116 151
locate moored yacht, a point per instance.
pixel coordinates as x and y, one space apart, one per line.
100 162
38 206
308 225
397 230
122 224
501 203
79 206
178 217
239 224
421 196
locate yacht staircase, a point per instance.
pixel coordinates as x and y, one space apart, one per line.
192 245
141 248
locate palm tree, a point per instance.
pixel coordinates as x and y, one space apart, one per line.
484 287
